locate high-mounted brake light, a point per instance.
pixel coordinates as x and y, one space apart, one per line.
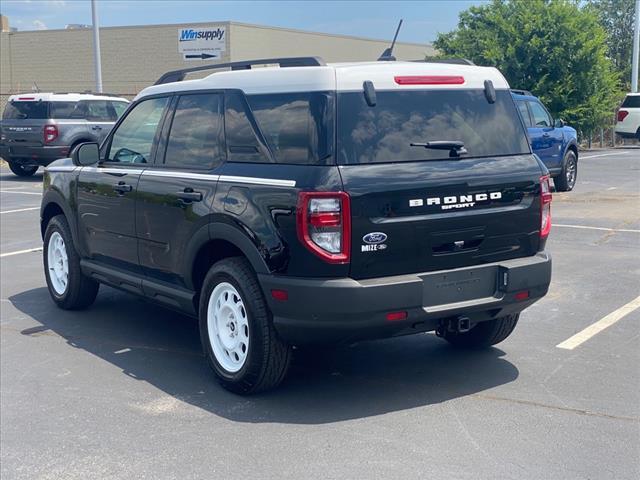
324 224
26 98
545 206
429 80
622 114
50 133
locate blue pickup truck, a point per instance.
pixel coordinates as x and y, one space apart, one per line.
554 142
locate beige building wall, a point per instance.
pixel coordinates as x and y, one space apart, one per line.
135 57
253 41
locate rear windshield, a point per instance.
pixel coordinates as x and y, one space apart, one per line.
384 132
26 110
632 101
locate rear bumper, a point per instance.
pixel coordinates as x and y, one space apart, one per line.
41 156
627 129
347 310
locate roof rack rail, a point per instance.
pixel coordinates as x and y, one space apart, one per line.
521 92
455 61
87 92
178 75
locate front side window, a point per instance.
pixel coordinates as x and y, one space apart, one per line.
132 142
384 132
196 131
540 116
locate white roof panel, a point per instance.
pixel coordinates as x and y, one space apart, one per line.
341 77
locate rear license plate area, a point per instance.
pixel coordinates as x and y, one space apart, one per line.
459 286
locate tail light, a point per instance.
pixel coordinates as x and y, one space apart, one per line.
324 224
622 114
545 206
50 133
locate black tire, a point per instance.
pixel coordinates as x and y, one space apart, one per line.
268 356
81 291
484 334
21 170
567 178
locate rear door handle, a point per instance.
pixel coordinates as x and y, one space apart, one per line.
96 127
122 187
188 195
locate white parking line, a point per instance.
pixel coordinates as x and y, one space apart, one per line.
604 229
581 337
603 155
21 210
23 193
29 250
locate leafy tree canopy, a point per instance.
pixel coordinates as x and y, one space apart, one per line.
617 19
553 48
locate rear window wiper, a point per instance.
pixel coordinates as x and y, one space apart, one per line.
455 147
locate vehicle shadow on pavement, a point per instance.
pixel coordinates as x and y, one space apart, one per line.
8 177
157 346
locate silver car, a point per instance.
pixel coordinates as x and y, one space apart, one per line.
38 128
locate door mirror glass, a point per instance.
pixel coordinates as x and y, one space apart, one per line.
86 154
559 123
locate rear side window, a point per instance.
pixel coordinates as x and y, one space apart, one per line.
196 132
62 110
384 132
133 140
297 126
26 111
242 137
524 113
631 101
540 116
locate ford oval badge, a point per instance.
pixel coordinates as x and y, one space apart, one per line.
374 238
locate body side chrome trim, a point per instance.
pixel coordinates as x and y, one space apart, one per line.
258 181
177 174
61 169
133 171
196 176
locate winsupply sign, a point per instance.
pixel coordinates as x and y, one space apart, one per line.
202 42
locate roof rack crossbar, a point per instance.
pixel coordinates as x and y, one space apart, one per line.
454 61
519 91
178 75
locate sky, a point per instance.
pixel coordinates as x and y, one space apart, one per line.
372 19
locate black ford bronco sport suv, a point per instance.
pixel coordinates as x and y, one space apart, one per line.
308 203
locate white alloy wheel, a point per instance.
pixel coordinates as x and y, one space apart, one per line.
228 327
58 263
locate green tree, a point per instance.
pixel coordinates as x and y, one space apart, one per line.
617 19
553 48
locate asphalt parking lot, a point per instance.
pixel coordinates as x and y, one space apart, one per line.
121 390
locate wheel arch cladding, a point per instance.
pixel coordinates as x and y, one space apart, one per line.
214 243
574 148
52 205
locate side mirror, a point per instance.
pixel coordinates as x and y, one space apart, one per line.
558 123
86 154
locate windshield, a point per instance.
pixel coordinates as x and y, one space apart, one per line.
385 132
25 110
